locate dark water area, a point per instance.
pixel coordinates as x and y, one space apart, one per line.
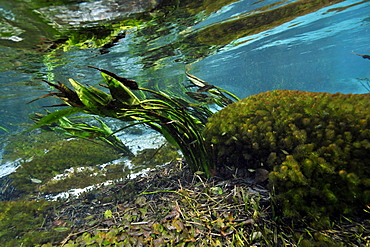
245 47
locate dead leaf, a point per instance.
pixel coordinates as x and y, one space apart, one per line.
174 214
179 226
247 222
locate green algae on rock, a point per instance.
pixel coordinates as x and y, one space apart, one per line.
316 146
51 155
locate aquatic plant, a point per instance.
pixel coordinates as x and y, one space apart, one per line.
27 145
22 223
362 55
180 121
74 127
103 36
4 129
264 18
316 146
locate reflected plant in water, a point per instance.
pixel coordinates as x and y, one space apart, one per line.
179 120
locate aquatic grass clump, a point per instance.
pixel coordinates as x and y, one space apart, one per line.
180 121
316 146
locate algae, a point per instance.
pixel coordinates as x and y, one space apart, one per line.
315 145
47 154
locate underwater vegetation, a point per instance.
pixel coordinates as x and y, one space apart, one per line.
170 206
48 154
179 120
29 145
222 212
83 176
154 157
75 127
21 223
315 145
51 163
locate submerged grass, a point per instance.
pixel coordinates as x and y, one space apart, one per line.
179 120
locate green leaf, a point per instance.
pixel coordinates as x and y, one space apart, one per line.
196 81
120 92
216 190
35 180
91 97
65 122
108 214
105 127
2 128
170 138
55 116
62 229
100 96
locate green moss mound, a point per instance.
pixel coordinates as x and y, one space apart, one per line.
316 145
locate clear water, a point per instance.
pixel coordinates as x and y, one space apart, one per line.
308 51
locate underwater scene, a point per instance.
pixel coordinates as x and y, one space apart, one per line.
185 123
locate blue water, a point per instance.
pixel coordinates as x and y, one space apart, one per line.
314 55
310 52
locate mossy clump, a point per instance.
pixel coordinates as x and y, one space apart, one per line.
316 145
51 158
